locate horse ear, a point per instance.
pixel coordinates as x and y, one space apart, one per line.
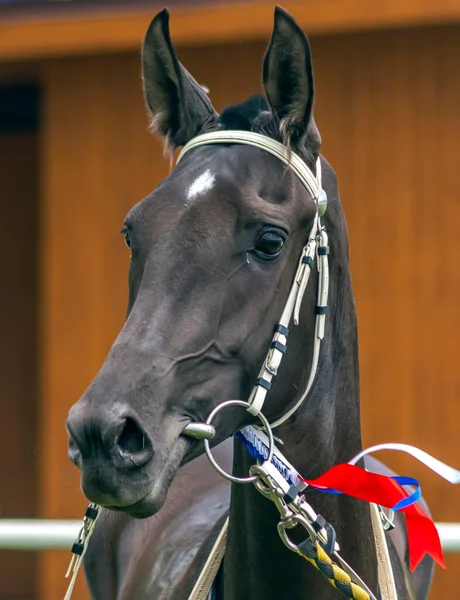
288 78
179 106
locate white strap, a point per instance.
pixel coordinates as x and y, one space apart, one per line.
448 473
301 273
274 356
309 254
258 140
202 588
386 578
323 292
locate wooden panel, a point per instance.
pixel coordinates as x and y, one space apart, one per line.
388 112
387 109
119 29
20 457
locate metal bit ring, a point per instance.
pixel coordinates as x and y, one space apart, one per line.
207 448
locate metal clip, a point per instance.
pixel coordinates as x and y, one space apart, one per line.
387 520
290 524
272 485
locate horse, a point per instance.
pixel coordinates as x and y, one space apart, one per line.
214 251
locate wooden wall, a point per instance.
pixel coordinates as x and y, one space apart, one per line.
387 106
99 161
392 129
19 455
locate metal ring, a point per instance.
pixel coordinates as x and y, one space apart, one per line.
207 449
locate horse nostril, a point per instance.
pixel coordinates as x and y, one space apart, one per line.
131 439
134 444
73 451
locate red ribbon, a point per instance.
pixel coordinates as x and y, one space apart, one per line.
423 537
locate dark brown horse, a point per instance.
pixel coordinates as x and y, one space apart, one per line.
214 252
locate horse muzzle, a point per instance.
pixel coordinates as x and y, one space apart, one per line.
122 467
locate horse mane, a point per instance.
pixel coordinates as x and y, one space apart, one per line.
243 116
254 115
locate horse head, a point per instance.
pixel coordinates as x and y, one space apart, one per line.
214 250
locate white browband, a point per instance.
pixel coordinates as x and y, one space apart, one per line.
257 140
316 247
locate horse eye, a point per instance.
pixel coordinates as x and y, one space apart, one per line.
269 244
125 232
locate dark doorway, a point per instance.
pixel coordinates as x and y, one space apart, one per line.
19 210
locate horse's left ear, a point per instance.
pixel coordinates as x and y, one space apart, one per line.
179 106
288 78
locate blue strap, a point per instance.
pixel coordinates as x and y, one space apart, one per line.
412 498
402 480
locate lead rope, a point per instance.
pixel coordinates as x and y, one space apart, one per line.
311 552
315 555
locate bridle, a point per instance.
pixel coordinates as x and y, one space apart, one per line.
273 476
316 246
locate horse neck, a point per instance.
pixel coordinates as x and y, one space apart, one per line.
324 432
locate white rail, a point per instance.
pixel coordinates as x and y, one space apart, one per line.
45 534
450 537
37 534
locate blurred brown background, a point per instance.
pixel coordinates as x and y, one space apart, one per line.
75 155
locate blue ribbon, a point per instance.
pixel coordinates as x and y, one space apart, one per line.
412 498
402 480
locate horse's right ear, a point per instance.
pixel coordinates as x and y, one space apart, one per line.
179 106
288 78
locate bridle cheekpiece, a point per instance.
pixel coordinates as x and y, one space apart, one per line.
315 247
